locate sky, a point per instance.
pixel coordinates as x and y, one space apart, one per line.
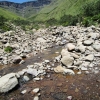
18 1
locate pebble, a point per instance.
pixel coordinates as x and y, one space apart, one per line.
36 90
69 97
24 91
36 98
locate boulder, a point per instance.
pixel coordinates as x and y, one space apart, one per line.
67 60
8 82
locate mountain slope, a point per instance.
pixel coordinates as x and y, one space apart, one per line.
7 14
57 8
25 9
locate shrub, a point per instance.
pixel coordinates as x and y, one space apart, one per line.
8 49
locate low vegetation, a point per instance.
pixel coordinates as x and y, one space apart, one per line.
8 49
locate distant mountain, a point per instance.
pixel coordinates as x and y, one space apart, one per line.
25 9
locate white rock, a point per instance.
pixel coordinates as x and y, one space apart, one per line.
70 46
32 71
69 97
21 73
41 40
36 98
67 60
36 90
89 57
17 75
26 78
30 66
81 48
97 47
84 68
79 72
22 61
60 69
17 59
88 42
8 82
69 71
24 91
37 79
47 61
64 52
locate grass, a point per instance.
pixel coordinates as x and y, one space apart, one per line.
8 49
7 14
59 8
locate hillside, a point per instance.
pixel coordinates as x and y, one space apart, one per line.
57 8
25 9
7 14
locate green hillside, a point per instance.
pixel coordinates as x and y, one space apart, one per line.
9 15
58 8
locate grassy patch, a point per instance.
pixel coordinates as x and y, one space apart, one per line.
8 49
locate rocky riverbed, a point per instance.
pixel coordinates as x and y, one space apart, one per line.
78 55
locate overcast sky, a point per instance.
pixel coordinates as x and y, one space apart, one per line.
18 1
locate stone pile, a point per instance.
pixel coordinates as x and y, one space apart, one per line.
23 44
82 52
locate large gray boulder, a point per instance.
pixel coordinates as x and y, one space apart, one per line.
8 82
67 60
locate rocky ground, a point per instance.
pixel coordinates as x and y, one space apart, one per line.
81 52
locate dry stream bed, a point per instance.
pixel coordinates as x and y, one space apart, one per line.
54 86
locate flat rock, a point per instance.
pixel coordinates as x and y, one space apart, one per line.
60 69
36 90
87 42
